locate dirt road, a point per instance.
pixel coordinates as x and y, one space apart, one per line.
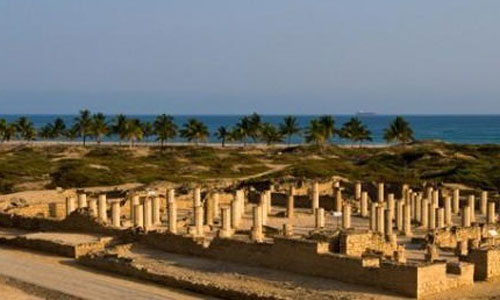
62 274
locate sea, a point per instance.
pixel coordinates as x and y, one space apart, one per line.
460 129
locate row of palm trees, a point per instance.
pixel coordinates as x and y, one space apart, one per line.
96 126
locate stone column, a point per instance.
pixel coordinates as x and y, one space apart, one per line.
399 215
388 223
269 201
263 204
490 216
92 205
197 197
456 201
226 230
172 212
315 196
432 216
215 200
407 221
418 208
346 216
447 211
357 190
133 202
256 233
319 218
440 218
338 200
364 204
380 219
429 194
380 197
287 230
240 197
82 200
290 204
425 213
435 198
156 210
390 204
235 214
484 202
115 213
210 211
198 221
373 216
139 215
466 221
462 248
103 207
70 205
471 200
148 213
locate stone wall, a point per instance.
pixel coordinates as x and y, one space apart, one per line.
357 243
486 262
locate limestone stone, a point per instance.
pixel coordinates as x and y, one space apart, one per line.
287 229
197 197
92 204
380 219
198 222
456 201
115 213
407 221
484 203
399 215
102 207
490 216
346 216
133 202
315 196
319 218
391 205
425 213
290 204
148 213
440 218
82 200
447 211
380 190
139 215
172 212
70 205
466 216
156 210
471 202
357 191
256 233
263 204
338 200
226 230
364 204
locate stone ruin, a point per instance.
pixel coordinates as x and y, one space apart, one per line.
415 241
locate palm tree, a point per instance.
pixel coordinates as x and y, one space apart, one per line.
99 127
242 129
46 132
194 130
147 130
26 129
133 131
119 126
84 124
289 127
328 124
236 135
223 134
9 132
315 133
271 134
355 131
399 130
58 128
72 133
164 128
3 127
255 128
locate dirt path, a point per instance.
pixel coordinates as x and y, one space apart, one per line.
273 169
65 276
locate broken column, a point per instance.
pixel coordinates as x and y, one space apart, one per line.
82 200
364 204
133 202
407 221
93 207
418 208
210 211
484 203
346 216
269 205
373 216
357 191
490 216
471 200
338 200
115 213
197 197
156 210
447 211
263 205
319 218
390 204
70 205
431 254
290 203
425 213
198 221
215 201
172 212
380 219
388 224
440 218
235 214
256 233
435 198
380 189
432 216
226 230
315 196
240 197
102 207
466 221
399 215
456 201
287 230
148 213
139 215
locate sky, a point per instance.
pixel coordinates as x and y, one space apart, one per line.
237 57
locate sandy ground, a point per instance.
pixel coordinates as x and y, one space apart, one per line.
11 293
65 276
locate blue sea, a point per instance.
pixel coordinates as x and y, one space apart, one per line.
462 129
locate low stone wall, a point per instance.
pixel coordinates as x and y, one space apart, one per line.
357 243
124 266
313 258
486 262
449 237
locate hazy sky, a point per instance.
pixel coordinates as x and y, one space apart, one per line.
231 56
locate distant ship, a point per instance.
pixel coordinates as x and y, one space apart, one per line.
365 114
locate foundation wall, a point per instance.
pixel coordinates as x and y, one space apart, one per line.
486 262
359 243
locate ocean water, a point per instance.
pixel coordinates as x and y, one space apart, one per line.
462 129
